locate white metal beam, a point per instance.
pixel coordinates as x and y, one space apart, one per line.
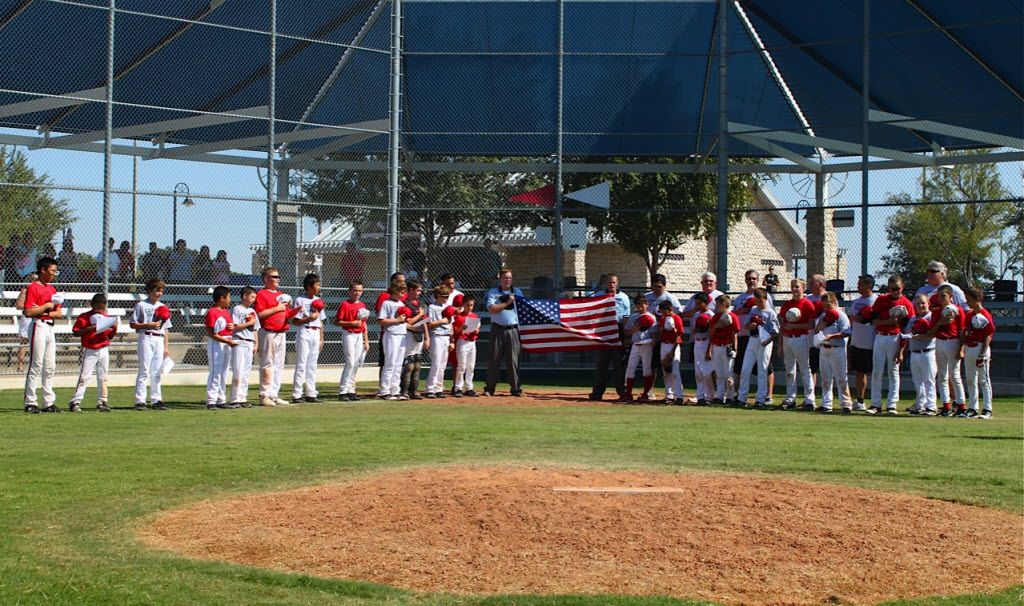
781 152
138 130
324 132
930 126
826 143
46 103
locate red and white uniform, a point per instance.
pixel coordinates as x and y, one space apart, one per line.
218 355
671 332
796 347
95 355
642 344
308 337
885 349
947 354
976 365
723 329
833 364
922 361
42 346
352 342
393 339
241 353
151 348
465 351
758 353
700 331
272 342
440 337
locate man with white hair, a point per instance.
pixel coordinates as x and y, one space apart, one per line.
936 277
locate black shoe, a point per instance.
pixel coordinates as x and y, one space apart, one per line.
429 395
847 411
716 402
297 400
223 405
808 407
440 395
140 406
823 410
314 400
353 397
102 407
158 405
457 393
51 408
32 409
211 407
702 402
761 406
516 394
244 404
415 396
873 410
74 407
471 393
595 398
488 393
946 412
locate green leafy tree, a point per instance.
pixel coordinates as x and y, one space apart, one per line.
32 208
962 234
653 214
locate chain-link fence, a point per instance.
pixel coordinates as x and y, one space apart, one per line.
200 194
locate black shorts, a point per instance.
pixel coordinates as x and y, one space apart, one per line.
815 357
860 360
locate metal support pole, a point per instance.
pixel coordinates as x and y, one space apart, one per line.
556 220
722 230
135 212
395 116
865 107
108 146
174 221
271 109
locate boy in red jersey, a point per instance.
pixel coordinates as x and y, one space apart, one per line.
797 317
355 340
671 332
219 330
467 331
725 325
891 313
42 306
95 353
978 332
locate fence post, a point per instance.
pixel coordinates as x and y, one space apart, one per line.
394 132
722 231
108 146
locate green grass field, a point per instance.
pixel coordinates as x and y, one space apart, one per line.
75 488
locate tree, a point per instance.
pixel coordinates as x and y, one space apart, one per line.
28 206
653 214
962 234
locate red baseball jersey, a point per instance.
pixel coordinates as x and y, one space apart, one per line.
882 307
213 315
267 299
955 328
384 296
974 336
807 315
722 335
459 322
38 293
93 339
349 312
671 328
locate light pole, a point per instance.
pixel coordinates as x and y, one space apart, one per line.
179 189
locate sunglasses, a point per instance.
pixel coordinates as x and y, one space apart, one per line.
933 271
274 277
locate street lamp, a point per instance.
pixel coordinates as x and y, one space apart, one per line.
179 189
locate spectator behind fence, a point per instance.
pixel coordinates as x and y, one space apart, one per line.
180 261
154 263
202 266
67 262
26 255
221 269
125 263
10 259
352 264
101 257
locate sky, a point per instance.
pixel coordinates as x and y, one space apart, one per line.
234 225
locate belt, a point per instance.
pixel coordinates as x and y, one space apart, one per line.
922 350
312 327
827 346
968 344
45 321
795 336
153 334
695 339
503 327
244 339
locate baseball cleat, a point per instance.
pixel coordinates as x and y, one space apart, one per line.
158 405
985 414
102 407
32 409
874 410
74 407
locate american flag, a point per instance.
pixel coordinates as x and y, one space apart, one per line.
548 325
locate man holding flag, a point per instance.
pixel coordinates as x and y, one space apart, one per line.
501 304
622 308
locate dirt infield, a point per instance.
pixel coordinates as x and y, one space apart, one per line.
727 538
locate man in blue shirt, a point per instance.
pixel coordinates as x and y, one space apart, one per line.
504 334
622 307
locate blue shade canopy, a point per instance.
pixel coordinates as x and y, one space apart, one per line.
640 78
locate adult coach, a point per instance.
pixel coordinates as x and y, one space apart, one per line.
505 344
936 277
447 279
742 305
622 308
42 306
272 311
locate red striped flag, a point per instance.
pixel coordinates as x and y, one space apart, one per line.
549 325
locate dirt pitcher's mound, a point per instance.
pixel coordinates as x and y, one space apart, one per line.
727 538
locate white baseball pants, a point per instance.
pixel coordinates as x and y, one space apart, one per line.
394 357
796 357
673 381
151 363
883 363
702 370
834 372
307 354
977 377
923 371
93 361
946 353
640 355
721 365
465 356
42 363
438 362
241 367
352 347
272 350
750 359
218 356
